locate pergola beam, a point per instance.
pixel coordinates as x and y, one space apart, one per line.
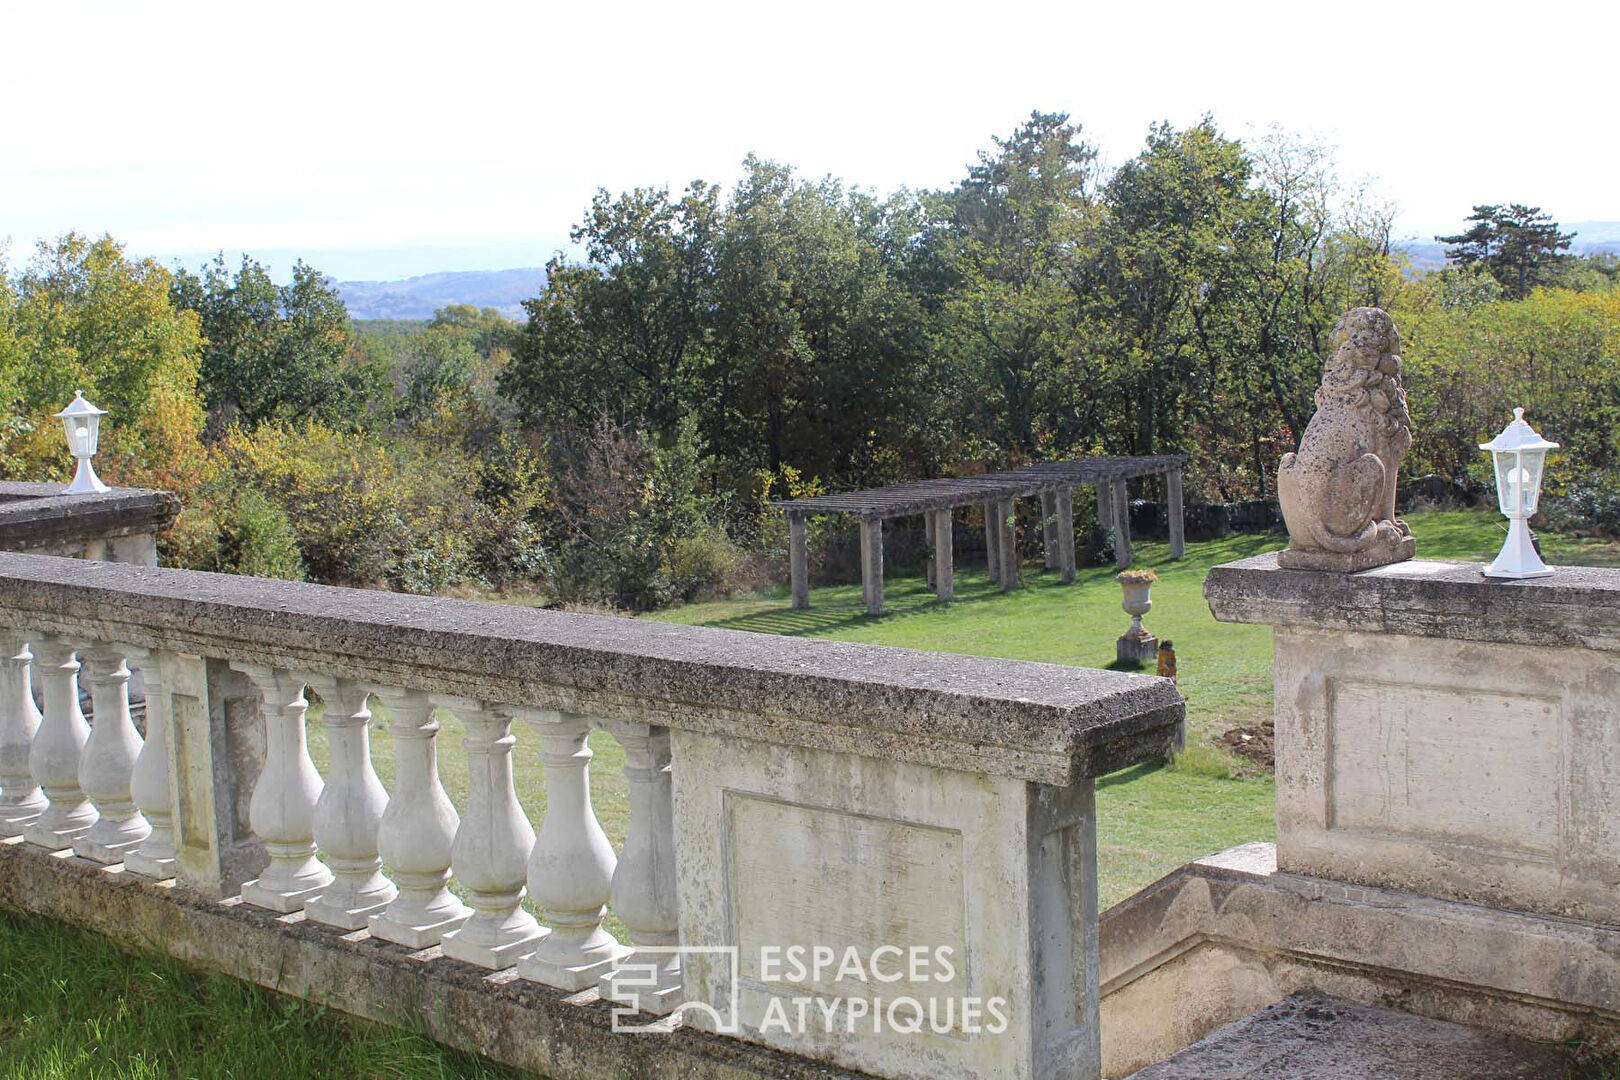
1052 481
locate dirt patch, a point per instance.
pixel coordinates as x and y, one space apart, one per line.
1251 743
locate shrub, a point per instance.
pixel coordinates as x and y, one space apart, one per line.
256 538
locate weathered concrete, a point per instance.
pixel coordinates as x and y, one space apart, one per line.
1049 540
1225 936
1315 1037
1007 561
1177 519
798 560
1119 508
117 525
1578 606
944 555
510 1020
216 748
1064 508
1415 751
1044 723
783 848
992 543
872 564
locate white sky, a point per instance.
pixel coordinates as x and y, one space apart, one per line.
391 139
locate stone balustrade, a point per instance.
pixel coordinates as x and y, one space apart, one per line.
783 794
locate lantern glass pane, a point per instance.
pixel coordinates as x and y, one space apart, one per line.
1506 492
1532 461
82 434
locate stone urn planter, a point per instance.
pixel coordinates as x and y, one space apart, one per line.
1137 644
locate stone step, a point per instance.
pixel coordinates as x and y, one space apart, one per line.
1315 1037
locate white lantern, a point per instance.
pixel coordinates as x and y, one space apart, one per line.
1519 453
82 422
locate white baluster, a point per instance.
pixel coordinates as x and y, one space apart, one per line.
418 827
644 885
349 811
571 870
149 784
491 849
108 761
21 800
282 810
58 745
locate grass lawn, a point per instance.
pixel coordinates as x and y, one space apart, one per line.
72 1005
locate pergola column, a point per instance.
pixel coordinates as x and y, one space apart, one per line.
872 564
799 560
1007 553
1173 510
992 543
1064 526
1049 540
944 557
1119 500
928 538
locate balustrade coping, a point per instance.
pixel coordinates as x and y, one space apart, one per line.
40 515
1042 723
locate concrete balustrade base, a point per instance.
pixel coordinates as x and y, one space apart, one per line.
106 854
417 936
145 866
498 1015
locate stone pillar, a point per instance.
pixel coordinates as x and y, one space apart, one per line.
879 857
349 812
1173 513
418 826
54 757
1119 501
992 544
1007 548
216 749
944 555
1049 540
872 563
21 800
571 867
282 809
1065 534
928 538
799 560
108 763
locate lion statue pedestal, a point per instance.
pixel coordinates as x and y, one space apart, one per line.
1338 491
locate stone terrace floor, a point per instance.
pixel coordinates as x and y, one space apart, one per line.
1313 1037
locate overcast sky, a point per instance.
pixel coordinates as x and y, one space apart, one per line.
394 139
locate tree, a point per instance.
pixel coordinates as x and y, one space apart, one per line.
275 352
1010 231
624 331
1518 244
84 317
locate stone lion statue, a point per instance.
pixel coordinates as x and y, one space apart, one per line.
1338 491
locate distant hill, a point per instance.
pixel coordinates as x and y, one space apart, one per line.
1591 238
420 297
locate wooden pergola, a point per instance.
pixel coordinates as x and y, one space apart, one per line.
934 500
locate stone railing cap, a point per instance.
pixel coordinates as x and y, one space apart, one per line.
39 515
1041 722
1578 606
